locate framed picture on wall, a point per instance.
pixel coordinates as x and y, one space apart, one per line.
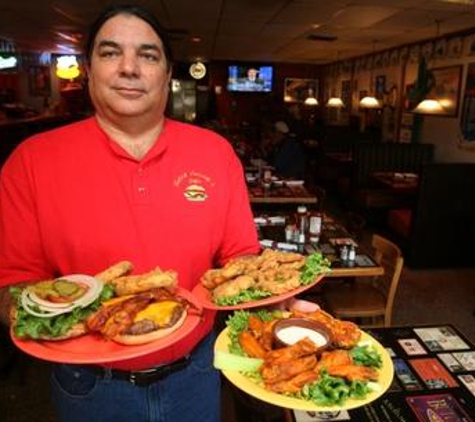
467 120
446 89
39 81
297 90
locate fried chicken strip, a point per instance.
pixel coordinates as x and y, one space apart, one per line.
251 345
115 271
339 363
273 372
140 283
295 384
302 348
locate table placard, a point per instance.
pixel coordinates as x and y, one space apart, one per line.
438 339
412 347
440 407
469 381
434 375
406 376
452 364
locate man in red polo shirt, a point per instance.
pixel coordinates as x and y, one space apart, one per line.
127 184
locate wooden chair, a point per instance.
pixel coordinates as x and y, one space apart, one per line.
369 302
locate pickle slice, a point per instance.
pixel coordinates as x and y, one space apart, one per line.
65 287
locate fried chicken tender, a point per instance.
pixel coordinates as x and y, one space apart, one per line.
267 338
256 326
120 269
213 278
353 372
233 287
302 348
275 372
251 345
345 334
294 384
339 363
335 357
233 269
140 283
279 281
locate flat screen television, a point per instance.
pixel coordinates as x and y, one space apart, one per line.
246 78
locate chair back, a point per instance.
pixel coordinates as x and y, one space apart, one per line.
389 256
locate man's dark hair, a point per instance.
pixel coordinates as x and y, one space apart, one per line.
132 10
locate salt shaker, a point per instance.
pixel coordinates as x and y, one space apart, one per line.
352 253
344 253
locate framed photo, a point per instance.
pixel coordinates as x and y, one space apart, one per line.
446 89
39 81
380 86
467 120
297 90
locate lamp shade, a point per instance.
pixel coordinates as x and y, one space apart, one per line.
335 102
312 101
369 102
429 106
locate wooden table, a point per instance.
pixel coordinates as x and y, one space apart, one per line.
281 195
404 182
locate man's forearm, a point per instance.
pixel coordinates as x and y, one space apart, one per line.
5 304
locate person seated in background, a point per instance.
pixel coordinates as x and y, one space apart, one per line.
289 158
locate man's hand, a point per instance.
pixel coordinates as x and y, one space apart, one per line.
294 304
5 305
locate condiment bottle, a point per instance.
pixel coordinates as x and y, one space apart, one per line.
315 227
302 223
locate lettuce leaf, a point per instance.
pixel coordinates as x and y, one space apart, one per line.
247 295
315 264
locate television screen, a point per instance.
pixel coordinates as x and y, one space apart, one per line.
250 78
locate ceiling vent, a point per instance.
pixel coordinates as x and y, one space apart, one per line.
321 37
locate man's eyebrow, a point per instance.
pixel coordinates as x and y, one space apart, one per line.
107 43
149 47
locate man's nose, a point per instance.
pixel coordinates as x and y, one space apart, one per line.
129 65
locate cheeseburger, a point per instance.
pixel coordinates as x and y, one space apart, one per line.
139 318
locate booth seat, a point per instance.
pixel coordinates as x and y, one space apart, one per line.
439 231
399 221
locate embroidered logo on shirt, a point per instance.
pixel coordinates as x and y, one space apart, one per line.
195 193
194 185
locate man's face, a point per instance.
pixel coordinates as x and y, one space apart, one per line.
252 74
128 75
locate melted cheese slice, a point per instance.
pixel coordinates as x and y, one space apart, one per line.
160 313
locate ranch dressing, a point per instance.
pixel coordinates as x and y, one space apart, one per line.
291 335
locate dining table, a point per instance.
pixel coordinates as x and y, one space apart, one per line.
402 182
333 237
291 192
433 380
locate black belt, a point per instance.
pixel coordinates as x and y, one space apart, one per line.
144 377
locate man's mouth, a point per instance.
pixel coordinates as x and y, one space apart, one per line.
129 91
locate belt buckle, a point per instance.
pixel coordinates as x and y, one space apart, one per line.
134 377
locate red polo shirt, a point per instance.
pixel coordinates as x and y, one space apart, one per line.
73 201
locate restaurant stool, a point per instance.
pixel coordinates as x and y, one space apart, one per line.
400 221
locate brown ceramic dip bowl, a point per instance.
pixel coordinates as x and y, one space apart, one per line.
289 331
